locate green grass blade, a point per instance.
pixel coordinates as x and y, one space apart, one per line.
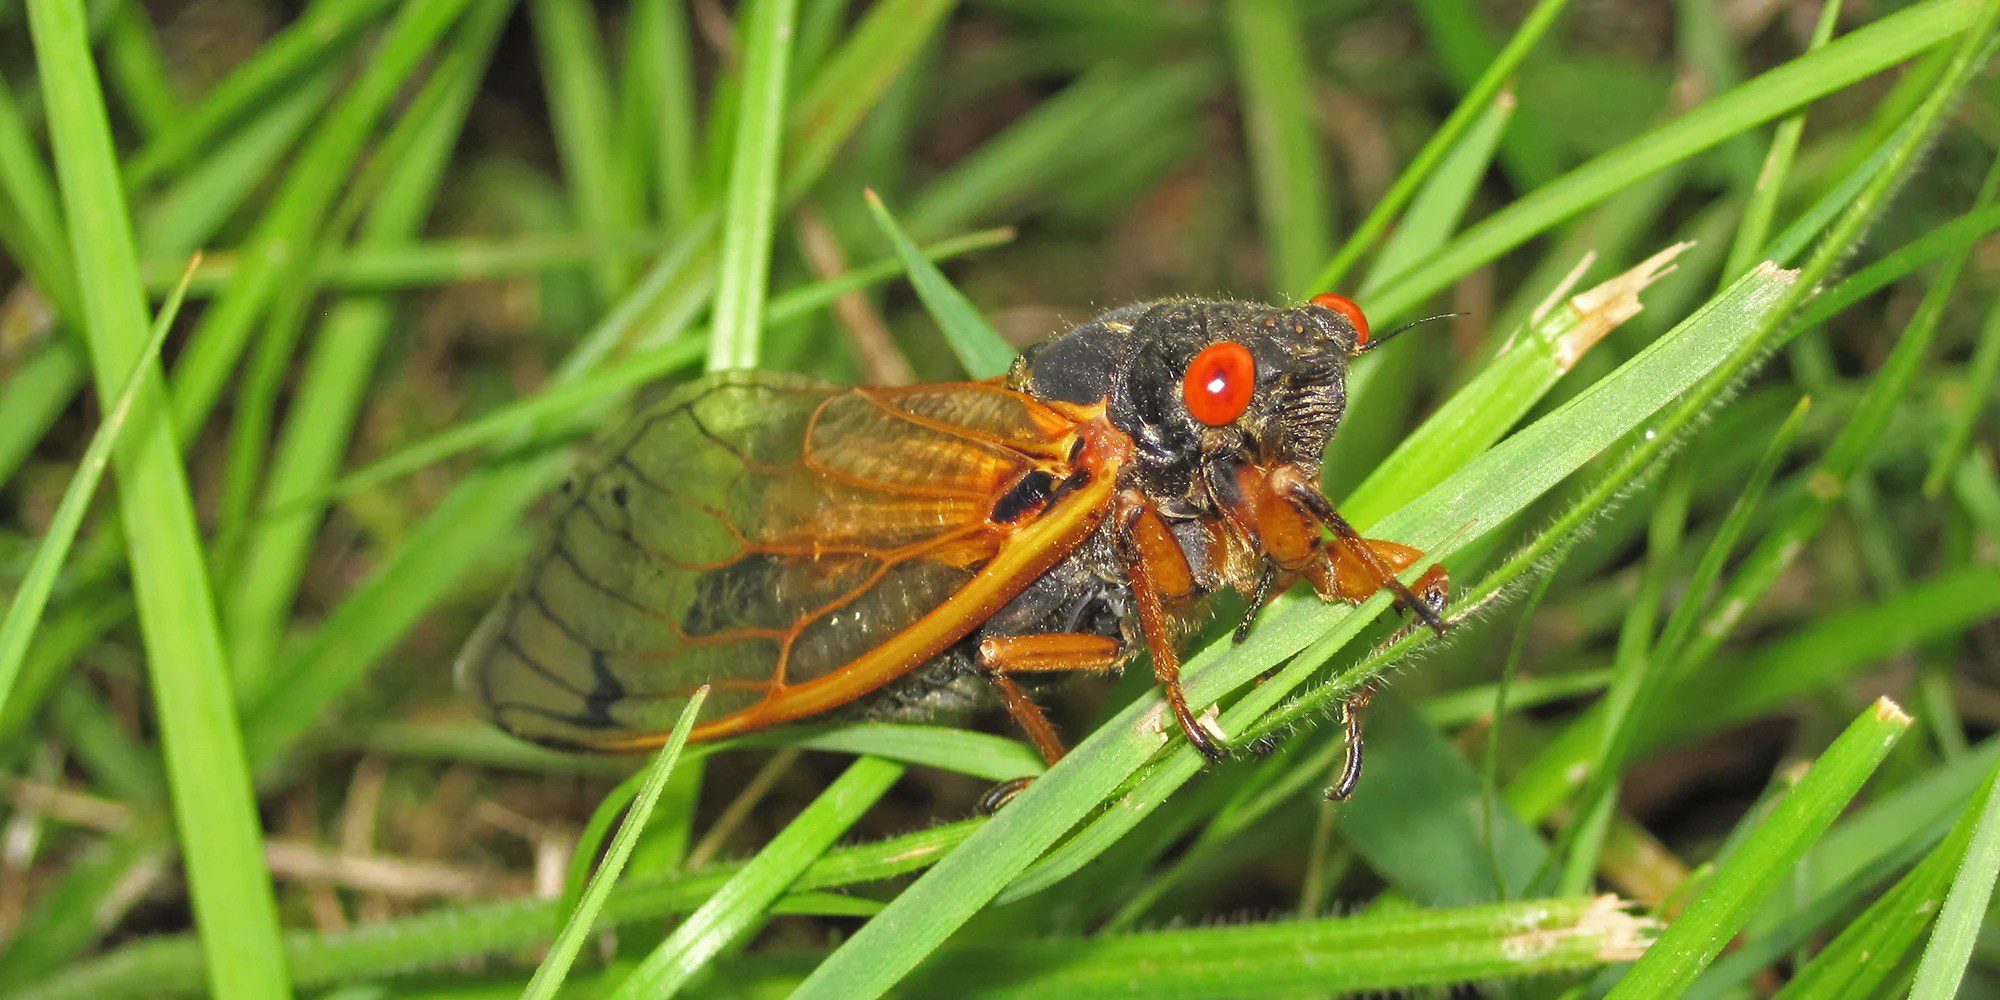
186 214
555 968
1441 201
980 348
327 28
32 596
172 964
1943 966
34 397
602 188
1477 99
1982 375
138 69
28 194
660 104
290 229
1505 389
1362 954
1850 58
880 46
1764 858
1686 614
1876 952
1845 458
738 908
1287 159
214 806
319 425
1755 228
751 204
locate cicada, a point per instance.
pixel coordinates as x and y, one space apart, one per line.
816 552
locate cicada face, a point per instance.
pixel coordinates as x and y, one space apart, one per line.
1197 384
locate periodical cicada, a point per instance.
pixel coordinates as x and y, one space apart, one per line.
816 552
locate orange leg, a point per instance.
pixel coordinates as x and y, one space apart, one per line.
1158 570
1004 656
1354 568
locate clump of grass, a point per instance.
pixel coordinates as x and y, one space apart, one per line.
1674 746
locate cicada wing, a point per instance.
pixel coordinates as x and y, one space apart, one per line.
753 533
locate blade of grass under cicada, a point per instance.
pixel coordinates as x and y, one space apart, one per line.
172 964
1393 950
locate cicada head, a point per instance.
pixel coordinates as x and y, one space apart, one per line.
1194 381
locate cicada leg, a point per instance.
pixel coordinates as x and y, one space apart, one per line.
1354 568
1350 768
1158 571
1004 656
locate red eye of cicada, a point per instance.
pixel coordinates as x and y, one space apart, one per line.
1219 383
1346 307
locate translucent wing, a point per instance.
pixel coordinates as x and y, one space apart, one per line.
791 544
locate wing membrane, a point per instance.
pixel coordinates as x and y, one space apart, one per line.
758 533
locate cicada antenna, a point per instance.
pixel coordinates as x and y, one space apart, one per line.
1372 343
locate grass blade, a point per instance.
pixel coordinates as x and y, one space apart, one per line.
1982 374
1477 98
738 907
1764 858
290 230
980 348
1950 948
1845 60
327 28
751 205
32 596
555 968
1287 161
1387 951
1876 953
605 196
214 807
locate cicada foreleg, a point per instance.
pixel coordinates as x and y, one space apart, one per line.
1351 568
1158 572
